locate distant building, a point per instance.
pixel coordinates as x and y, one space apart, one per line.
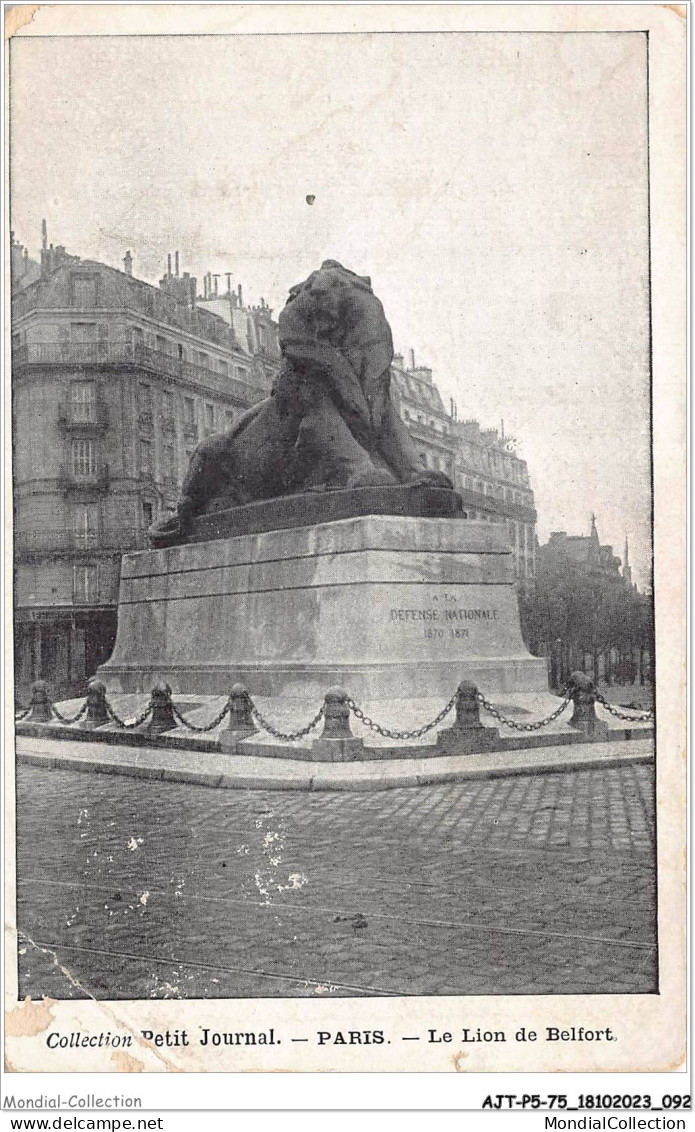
115 381
587 613
23 270
585 553
492 480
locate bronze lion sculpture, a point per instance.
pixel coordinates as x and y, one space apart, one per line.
329 422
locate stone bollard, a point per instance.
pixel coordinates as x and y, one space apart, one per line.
467 736
162 717
97 715
336 743
582 691
241 724
40 703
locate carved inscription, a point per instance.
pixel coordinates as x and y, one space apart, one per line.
445 616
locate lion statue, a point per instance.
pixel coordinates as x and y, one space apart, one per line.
329 422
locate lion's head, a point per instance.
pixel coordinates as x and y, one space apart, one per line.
337 306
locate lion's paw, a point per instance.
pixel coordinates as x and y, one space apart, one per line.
432 479
372 477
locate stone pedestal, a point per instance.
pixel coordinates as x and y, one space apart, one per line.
386 606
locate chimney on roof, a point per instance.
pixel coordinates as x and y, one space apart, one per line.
44 235
128 263
228 277
169 263
412 359
176 264
215 277
241 301
627 569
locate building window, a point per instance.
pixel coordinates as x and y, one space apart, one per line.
85 524
84 291
85 584
147 513
189 412
167 404
146 458
162 344
203 359
169 462
222 367
229 417
190 427
145 402
84 459
83 402
209 417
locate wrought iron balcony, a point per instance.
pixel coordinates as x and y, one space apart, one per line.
85 417
62 539
97 480
120 352
477 500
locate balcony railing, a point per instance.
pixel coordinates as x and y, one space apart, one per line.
70 480
477 500
83 415
124 352
62 538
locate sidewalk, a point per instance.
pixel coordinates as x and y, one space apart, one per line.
244 772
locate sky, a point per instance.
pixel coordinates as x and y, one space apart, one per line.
494 187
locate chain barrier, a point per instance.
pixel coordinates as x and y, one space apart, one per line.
359 714
134 722
69 718
643 717
290 736
536 726
205 727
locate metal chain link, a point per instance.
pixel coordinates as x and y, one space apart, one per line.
205 727
133 723
359 714
644 717
536 726
69 718
287 736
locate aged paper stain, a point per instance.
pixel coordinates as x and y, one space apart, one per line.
29 1019
126 1063
20 16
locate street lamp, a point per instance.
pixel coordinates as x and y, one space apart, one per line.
558 669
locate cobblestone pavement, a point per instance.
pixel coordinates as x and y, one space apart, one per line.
529 885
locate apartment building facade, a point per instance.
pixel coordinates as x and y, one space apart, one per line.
115 382
481 463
